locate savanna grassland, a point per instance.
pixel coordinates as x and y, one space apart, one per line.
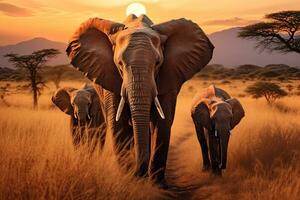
37 159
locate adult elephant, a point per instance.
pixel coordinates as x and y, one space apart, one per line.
214 115
137 67
86 122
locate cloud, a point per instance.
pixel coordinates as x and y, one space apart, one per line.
14 11
236 21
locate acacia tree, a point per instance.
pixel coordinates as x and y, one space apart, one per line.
280 33
32 65
270 91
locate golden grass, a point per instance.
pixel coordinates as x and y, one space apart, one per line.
37 159
264 150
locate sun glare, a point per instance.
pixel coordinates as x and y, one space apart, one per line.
136 8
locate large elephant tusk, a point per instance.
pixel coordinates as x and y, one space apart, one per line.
89 117
120 108
75 116
158 107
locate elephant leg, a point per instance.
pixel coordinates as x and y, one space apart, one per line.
161 139
214 153
74 130
121 131
96 137
123 142
202 142
77 136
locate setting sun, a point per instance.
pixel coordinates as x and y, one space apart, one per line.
136 8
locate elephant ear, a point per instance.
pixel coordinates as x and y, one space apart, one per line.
90 51
237 111
222 94
186 51
62 100
201 113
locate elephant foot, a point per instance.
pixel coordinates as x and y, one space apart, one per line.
217 172
206 168
141 174
142 171
162 184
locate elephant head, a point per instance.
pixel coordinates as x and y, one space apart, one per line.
139 61
77 103
219 117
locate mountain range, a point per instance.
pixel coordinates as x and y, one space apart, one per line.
230 51
29 46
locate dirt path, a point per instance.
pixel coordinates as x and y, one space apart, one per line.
182 186
184 176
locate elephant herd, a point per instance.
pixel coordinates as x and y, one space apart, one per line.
137 69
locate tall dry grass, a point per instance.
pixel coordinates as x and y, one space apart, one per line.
264 150
37 159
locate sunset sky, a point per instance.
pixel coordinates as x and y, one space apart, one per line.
57 19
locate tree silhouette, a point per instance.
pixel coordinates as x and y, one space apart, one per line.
32 65
280 33
270 91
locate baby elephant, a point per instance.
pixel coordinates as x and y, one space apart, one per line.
83 106
214 114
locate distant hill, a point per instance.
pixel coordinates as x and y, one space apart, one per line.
233 51
27 47
230 51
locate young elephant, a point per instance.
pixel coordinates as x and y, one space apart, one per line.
214 114
83 106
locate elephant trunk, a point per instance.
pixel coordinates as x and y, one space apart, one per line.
82 115
224 139
140 92
139 99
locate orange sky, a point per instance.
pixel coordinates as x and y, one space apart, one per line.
57 19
